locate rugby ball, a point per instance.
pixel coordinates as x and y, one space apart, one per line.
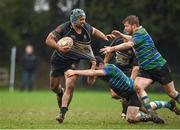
65 41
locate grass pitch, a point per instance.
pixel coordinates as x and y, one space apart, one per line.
88 110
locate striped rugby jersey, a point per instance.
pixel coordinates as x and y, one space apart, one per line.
145 50
120 83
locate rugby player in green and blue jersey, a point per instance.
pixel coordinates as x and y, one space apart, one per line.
153 67
123 86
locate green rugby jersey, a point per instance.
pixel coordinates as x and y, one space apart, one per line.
145 50
120 83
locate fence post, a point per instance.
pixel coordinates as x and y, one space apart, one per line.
12 69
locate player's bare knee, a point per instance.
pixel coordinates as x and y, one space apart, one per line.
131 115
138 88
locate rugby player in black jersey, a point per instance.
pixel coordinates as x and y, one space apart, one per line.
63 58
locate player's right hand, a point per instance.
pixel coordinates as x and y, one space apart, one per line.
63 49
69 73
116 33
110 36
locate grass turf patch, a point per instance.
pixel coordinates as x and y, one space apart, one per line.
88 109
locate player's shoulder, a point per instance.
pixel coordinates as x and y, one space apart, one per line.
140 31
63 27
87 26
110 69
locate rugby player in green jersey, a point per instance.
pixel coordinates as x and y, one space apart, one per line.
153 67
126 61
123 86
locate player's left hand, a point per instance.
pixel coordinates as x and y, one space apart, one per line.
106 50
116 33
69 73
64 49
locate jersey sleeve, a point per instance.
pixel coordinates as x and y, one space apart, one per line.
60 30
137 38
108 69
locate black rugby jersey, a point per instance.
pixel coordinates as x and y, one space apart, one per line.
124 59
81 48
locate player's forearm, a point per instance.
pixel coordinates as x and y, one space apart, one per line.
88 72
127 37
93 65
50 41
107 58
97 33
123 46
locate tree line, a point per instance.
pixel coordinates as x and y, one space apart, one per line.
21 24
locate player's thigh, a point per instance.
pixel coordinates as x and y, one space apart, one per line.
142 83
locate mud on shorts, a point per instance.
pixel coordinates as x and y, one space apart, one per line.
162 74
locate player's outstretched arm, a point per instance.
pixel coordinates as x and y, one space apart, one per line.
88 72
97 33
123 46
91 79
119 34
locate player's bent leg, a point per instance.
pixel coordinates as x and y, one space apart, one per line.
140 85
170 89
124 109
171 105
70 83
55 85
134 115
66 98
